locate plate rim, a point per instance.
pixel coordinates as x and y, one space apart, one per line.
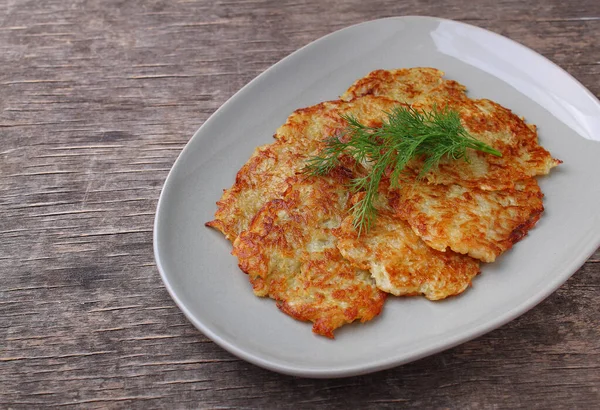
373 365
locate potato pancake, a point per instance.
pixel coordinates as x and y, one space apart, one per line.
424 88
522 156
264 176
482 224
400 262
407 85
289 253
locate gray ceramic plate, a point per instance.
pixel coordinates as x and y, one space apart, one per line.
205 282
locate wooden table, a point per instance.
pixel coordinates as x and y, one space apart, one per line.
97 100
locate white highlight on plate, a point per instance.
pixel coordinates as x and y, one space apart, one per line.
493 54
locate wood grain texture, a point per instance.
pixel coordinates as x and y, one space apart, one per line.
98 99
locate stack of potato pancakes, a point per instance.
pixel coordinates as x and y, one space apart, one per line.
294 234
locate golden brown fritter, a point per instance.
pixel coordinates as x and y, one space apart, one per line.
264 176
522 156
482 224
290 254
424 88
407 85
400 262
261 179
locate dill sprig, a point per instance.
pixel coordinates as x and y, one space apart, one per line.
405 134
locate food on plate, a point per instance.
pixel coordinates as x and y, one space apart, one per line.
403 186
263 177
387 150
400 262
522 156
482 224
260 179
289 253
407 85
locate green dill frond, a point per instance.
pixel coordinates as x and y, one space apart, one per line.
405 134
326 160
